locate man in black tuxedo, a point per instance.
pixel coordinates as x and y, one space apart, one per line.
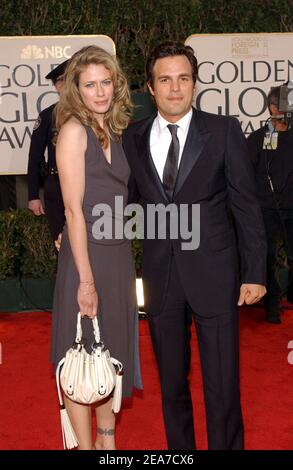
186 157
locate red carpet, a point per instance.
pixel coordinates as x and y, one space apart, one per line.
29 416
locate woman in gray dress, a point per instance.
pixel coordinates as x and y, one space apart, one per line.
95 266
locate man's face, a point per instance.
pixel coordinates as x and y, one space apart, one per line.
274 110
279 124
173 86
59 84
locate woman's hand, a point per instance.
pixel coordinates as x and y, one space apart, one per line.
87 299
58 242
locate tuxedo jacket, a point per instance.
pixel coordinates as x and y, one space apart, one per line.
280 164
215 172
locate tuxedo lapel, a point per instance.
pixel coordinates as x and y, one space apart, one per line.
196 140
143 147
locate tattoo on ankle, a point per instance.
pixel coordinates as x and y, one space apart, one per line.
106 432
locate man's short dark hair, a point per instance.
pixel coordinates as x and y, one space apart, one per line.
273 96
170 49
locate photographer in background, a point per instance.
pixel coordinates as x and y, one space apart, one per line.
42 138
271 150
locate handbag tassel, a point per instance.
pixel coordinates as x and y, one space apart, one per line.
68 435
117 396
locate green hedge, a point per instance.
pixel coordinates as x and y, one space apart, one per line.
9 247
37 256
26 247
135 26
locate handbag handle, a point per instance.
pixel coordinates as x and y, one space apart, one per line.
95 327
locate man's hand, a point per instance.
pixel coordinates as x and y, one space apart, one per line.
35 205
251 293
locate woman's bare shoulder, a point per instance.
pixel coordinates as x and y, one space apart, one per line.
73 128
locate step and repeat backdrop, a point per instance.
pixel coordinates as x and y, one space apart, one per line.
24 91
236 71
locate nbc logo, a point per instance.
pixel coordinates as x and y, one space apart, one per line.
32 51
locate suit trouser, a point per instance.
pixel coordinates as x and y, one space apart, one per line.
54 207
218 346
275 233
7 192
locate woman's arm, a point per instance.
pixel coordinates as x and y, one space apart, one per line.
70 158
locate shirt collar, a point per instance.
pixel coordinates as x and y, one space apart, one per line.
183 123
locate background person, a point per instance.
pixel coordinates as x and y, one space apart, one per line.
43 136
271 153
7 193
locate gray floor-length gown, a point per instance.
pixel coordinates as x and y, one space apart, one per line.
112 265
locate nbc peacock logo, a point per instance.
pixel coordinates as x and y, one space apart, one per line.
33 51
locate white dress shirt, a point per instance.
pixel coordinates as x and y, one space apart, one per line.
160 139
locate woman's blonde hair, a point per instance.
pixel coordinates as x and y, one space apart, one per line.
71 104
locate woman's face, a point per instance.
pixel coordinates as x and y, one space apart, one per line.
96 90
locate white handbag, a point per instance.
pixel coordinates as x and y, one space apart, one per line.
87 378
